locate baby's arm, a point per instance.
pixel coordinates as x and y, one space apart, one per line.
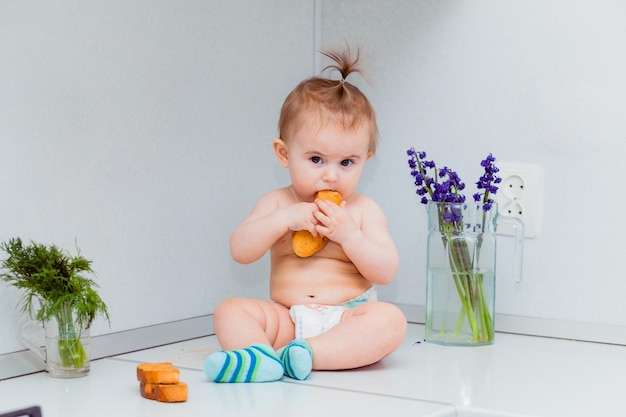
271 217
369 246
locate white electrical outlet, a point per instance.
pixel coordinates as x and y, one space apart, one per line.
519 196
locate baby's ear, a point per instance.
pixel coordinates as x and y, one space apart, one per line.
280 149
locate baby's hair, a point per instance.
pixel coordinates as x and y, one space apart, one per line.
335 100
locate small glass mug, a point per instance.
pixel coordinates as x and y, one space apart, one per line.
64 347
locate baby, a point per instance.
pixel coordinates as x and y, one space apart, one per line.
323 312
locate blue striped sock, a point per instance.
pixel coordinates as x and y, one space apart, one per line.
297 359
256 363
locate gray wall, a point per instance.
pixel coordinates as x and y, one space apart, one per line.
142 130
540 82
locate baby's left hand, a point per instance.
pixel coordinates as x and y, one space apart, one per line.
335 222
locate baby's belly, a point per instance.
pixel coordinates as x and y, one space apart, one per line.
315 281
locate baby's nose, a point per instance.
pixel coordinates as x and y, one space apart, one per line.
330 175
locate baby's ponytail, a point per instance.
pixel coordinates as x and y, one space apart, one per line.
345 63
332 99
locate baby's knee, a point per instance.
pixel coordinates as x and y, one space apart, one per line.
402 324
226 307
394 320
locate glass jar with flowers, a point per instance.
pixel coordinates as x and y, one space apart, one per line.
461 252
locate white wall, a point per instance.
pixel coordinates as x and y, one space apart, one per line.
142 129
540 82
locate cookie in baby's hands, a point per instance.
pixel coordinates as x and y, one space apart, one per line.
329 195
304 244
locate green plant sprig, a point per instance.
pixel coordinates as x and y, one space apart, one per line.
53 277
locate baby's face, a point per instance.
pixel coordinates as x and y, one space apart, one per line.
327 157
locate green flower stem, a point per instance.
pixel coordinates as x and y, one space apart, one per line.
469 286
463 312
486 316
459 274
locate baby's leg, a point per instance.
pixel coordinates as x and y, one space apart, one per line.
249 331
366 334
241 322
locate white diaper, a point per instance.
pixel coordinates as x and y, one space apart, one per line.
313 319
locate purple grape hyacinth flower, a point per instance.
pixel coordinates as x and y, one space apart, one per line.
444 185
486 182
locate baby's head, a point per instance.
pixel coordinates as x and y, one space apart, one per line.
333 101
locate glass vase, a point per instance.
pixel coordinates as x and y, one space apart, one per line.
461 272
61 342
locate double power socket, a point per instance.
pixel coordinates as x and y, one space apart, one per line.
519 195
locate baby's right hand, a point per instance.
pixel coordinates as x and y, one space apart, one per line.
300 216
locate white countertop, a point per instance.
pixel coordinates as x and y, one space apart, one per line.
516 376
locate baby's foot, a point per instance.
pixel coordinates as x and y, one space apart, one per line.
297 359
256 363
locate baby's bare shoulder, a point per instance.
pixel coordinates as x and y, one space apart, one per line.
362 202
367 211
273 199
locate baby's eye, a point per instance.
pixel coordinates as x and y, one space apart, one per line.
316 159
346 162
